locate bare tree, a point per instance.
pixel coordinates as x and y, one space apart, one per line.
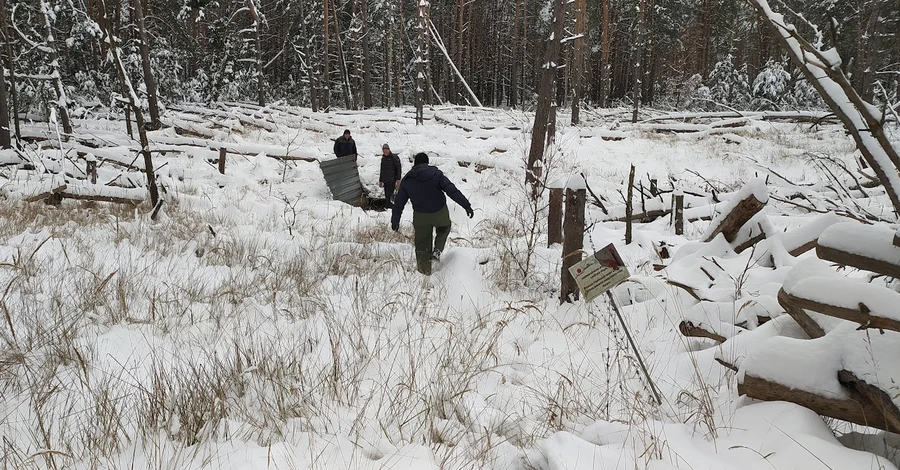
421 58
638 57
5 139
149 80
260 66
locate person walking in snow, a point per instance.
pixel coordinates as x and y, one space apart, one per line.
426 186
390 173
344 145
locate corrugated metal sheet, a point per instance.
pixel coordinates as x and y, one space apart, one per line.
342 177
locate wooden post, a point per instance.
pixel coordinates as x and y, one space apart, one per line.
222 153
628 209
654 189
679 214
92 171
573 242
554 223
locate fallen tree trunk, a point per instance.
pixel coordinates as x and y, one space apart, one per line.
45 194
687 328
749 205
861 315
807 324
854 408
866 247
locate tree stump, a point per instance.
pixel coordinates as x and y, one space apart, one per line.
554 222
573 242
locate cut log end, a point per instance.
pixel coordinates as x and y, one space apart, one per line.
688 329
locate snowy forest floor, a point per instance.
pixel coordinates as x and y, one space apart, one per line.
259 324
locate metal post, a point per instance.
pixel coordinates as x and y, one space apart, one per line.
634 348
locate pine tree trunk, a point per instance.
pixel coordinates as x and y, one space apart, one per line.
578 60
421 24
605 66
260 78
326 70
366 65
5 139
637 65
349 100
149 81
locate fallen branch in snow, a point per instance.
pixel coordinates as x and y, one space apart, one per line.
854 408
687 328
46 194
861 314
810 326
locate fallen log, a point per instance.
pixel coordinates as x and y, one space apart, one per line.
881 299
810 326
687 328
877 397
854 407
749 201
56 189
866 247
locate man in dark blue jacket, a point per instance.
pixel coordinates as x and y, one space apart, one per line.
344 145
426 185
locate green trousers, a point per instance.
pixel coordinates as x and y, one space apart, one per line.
432 230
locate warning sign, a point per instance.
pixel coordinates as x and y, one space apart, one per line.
599 273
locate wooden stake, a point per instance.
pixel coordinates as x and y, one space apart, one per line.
554 222
92 171
573 242
679 214
222 154
628 209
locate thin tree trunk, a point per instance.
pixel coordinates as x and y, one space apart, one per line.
542 117
366 66
326 71
133 101
421 25
578 59
260 78
349 99
12 80
389 86
149 81
5 140
62 102
637 65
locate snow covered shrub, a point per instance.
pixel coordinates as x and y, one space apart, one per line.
729 85
770 85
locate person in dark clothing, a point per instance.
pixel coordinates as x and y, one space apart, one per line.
390 173
344 145
426 186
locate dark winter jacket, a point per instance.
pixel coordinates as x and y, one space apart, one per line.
390 169
426 186
344 147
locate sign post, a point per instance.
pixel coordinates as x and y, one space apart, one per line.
599 273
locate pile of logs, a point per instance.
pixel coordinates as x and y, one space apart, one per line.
818 302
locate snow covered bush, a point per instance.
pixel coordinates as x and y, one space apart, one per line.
729 85
770 85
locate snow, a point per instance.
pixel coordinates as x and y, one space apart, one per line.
257 323
756 188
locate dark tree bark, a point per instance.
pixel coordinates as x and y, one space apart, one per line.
578 60
542 116
149 80
260 77
421 57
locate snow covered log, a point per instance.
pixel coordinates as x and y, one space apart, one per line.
46 192
746 203
105 194
866 247
852 406
810 326
877 397
689 329
868 305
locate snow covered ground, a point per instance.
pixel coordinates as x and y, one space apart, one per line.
259 324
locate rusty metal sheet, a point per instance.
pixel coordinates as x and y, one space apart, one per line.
342 178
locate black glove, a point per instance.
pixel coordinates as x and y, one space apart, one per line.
470 212
395 227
